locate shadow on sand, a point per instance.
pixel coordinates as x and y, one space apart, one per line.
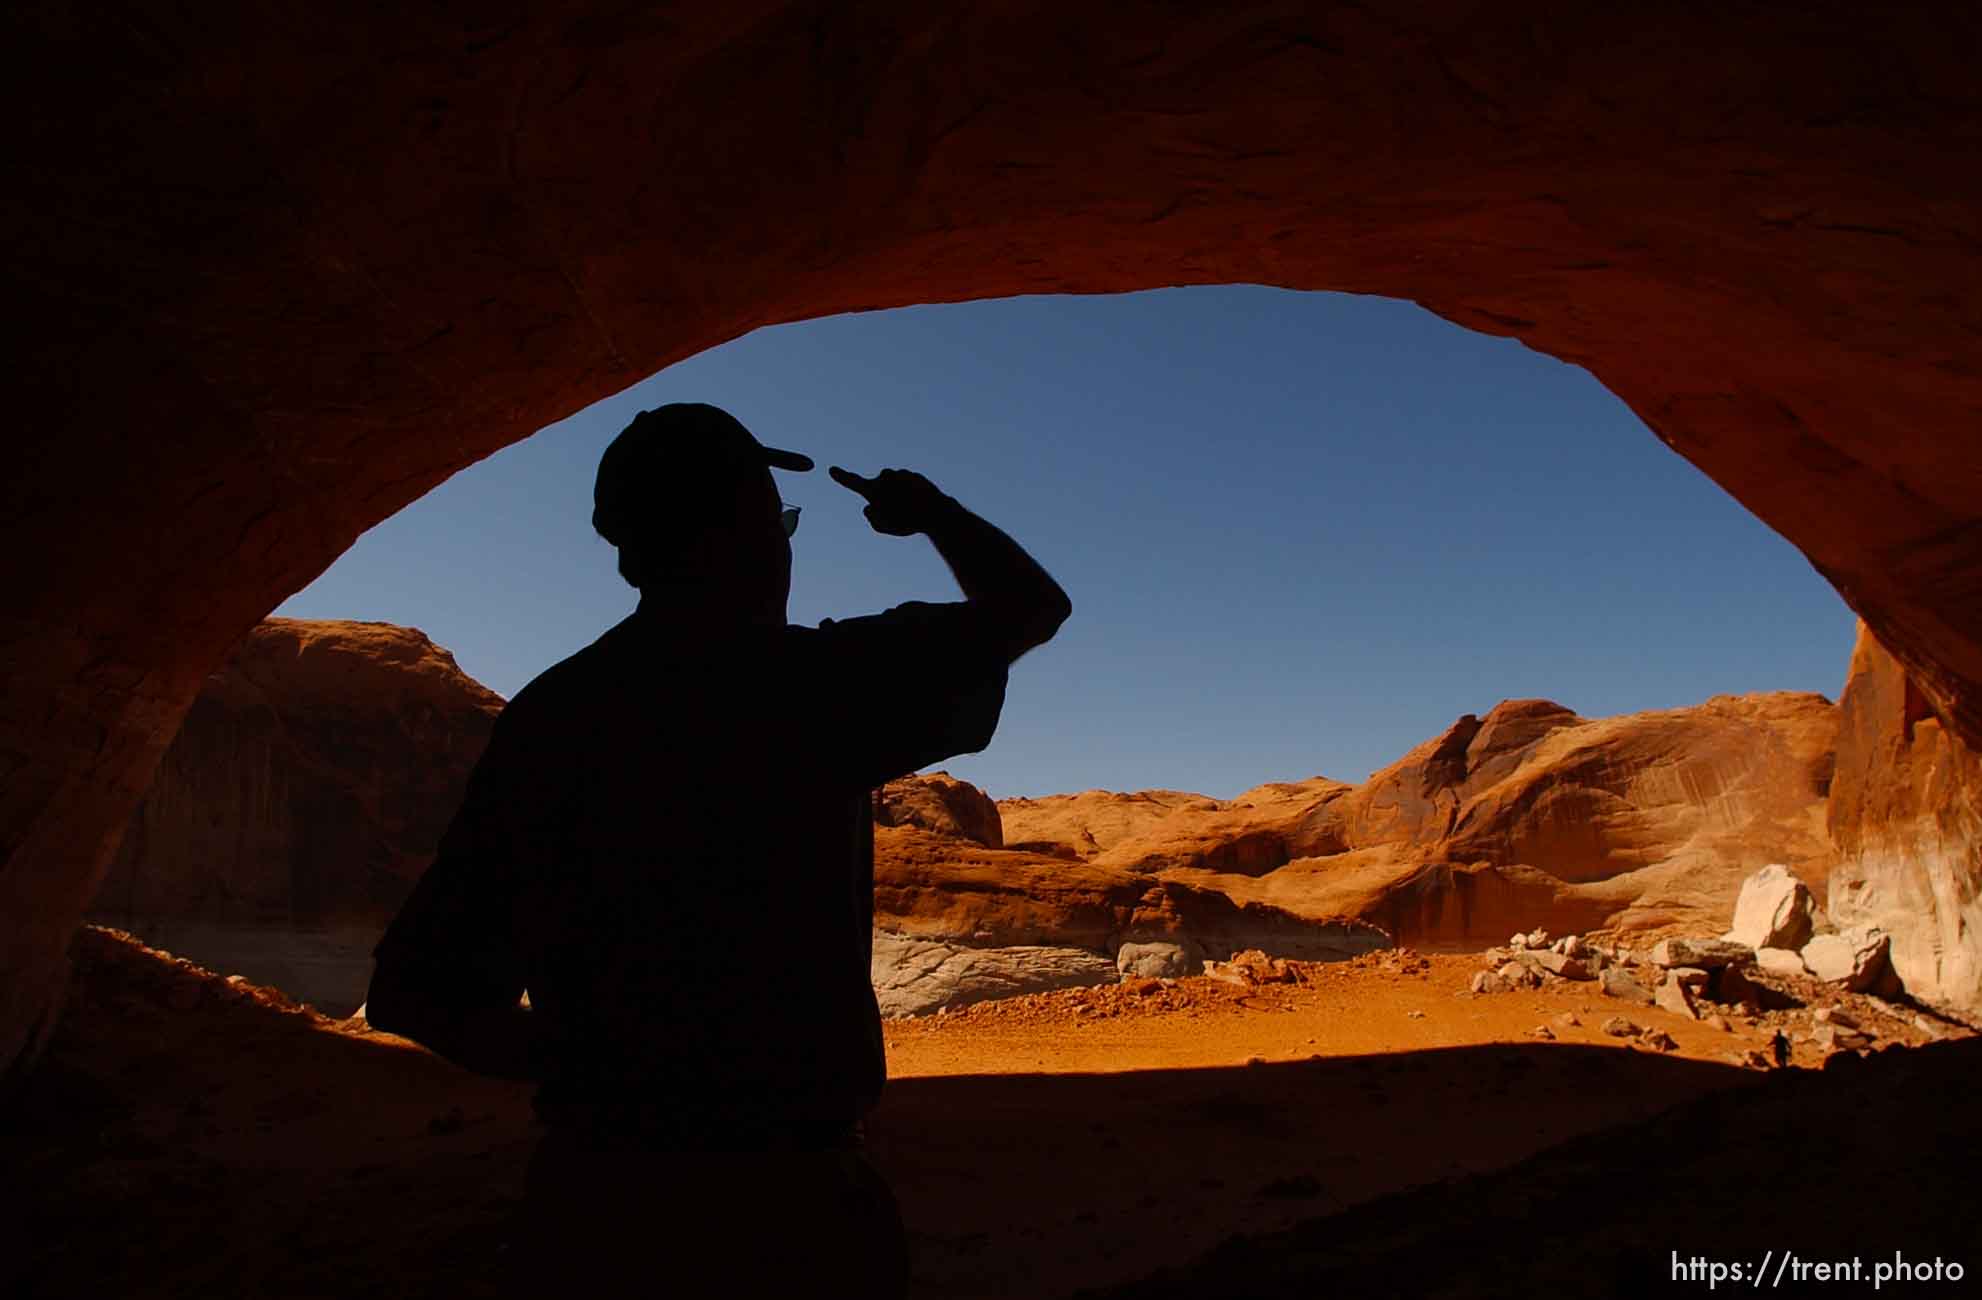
218 1144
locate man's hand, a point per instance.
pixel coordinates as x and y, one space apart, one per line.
900 502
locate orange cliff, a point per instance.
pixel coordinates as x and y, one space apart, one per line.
319 766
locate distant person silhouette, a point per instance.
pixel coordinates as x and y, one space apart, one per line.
669 843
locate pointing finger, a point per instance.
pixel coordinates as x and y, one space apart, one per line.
851 481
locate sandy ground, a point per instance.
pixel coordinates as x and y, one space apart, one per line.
191 1136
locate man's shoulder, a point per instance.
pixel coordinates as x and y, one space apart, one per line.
569 681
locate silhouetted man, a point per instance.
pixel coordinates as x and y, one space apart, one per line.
669 842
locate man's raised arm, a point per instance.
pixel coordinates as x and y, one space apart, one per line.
1024 604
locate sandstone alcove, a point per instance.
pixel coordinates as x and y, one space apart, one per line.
280 273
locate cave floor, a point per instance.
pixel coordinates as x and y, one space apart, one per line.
186 1135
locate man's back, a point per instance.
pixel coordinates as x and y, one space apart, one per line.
680 828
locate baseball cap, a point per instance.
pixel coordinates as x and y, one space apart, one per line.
691 452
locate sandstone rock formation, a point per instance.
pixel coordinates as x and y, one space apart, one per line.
1906 813
1532 813
310 784
936 887
1773 910
329 280
913 977
938 802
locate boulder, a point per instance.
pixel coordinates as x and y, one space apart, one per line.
1774 910
1569 968
1691 978
1619 1027
1780 961
1486 981
1839 1038
1155 961
1674 997
914 976
1519 975
1660 1041
1703 953
1853 958
1619 983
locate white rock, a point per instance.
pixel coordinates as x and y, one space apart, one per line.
1155 961
1774 910
1560 963
1672 996
1853 958
1780 961
915 976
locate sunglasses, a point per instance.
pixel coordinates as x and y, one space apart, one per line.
788 516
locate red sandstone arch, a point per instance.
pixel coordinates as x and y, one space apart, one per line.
274 275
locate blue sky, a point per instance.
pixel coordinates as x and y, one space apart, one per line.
1302 531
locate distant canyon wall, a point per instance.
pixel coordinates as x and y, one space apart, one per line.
320 765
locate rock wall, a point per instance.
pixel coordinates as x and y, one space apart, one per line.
268 286
310 785
1906 813
1530 815
937 801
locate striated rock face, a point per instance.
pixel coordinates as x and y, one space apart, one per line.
934 887
310 785
1531 815
915 976
937 801
1906 813
332 279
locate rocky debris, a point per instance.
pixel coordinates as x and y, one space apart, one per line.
1536 940
1487 982
1774 910
1157 960
1253 967
1617 982
1619 1027
1751 1060
1660 1041
1567 1020
1519 975
1704 953
914 976
1780 961
1542 1032
1734 988
1838 1038
1570 945
1854 958
938 802
1835 1016
1715 1020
